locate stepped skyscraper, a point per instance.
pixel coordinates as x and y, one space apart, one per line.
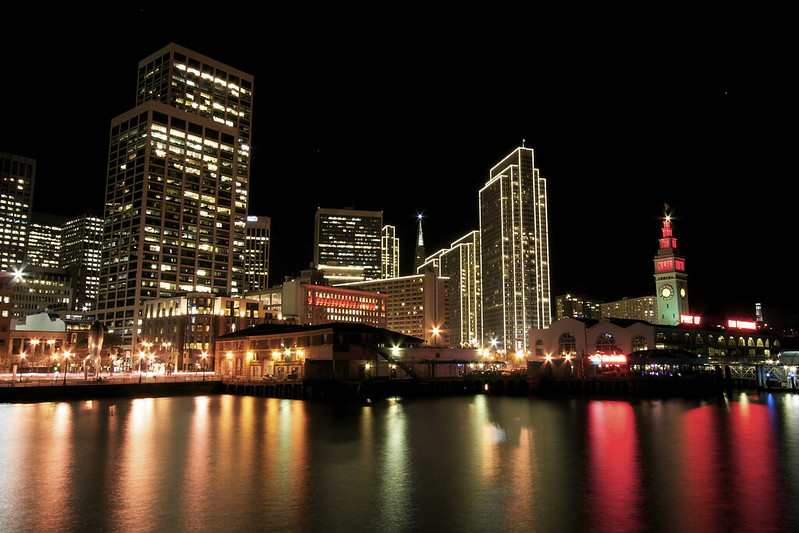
514 244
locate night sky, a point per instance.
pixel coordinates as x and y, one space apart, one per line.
406 111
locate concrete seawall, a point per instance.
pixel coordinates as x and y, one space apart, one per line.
93 391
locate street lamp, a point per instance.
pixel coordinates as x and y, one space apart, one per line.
204 355
66 365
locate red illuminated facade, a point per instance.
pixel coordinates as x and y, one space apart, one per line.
335 304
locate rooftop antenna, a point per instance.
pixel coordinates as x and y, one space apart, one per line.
522 143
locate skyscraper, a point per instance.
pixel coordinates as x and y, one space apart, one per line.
256 254
81 247
177 185
391 253
17 175
514 244
347 244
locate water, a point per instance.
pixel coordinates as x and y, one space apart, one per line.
476 463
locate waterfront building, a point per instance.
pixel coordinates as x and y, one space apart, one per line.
176 190
256 253
336 352
577 306
642 308
81 249
39 343
671 279
390 262
348 244
43 248
17 176
39 289
734 342
514 243
417 305
179 332
460 264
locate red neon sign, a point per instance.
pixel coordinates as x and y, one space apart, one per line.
690 319
741 324
605 359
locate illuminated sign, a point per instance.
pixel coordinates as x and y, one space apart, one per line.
741 324
690 319
604 359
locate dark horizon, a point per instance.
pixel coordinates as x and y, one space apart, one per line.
406 112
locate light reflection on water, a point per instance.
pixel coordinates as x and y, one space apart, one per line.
478 463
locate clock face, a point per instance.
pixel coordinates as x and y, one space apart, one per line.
666 291
682 292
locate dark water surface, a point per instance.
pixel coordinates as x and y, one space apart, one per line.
474 463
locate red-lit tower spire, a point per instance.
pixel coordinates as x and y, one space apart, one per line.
671 283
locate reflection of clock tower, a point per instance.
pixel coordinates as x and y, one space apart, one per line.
670 279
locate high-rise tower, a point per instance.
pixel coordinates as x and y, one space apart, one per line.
177 185
671 280
347 244
256 254
514 244
81 248
17 176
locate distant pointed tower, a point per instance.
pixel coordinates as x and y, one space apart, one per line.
670 278
420 255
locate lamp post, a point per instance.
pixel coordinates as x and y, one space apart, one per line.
141 356
204 355
66 365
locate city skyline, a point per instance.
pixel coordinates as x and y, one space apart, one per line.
621 122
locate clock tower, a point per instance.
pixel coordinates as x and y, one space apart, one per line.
671 283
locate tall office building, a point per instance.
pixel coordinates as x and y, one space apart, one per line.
17 176
256 254
347 244
44 240
514 246
81 247
391 253
177 185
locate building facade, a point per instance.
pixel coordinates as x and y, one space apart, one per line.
417 305
461 265
17 177
390 262
348 244
81 249
256 254
642 308
40 289
514 252
176 190
576 306
43 248
180 332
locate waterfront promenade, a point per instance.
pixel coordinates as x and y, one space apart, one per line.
47 387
